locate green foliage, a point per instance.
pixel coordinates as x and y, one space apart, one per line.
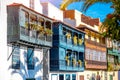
112 22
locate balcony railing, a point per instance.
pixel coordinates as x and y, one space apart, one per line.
63 65
96 63
63 38
33 37
95 43
113 52
69 42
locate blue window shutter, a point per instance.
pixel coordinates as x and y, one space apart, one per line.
16 57
30 60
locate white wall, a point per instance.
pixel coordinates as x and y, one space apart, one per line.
70 22
52 11
3 41
37 6
23 72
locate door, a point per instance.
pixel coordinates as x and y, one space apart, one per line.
81 77
111 77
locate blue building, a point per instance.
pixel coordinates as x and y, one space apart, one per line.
67 53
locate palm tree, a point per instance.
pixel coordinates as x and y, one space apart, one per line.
111 25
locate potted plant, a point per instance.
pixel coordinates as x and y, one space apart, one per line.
48 31
68 35
40 29
75 40
85 63
80 63
67 60
26 25
74 61
80 41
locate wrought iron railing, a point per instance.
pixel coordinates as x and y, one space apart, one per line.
69 41
63 38
63 63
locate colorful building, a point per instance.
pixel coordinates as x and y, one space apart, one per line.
113 59
67 53
95 46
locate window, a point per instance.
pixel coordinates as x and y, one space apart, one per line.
30 79
73 76
32 4
16 57
54 77
61 77
30 59
67 76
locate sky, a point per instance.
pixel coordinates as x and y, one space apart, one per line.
98 10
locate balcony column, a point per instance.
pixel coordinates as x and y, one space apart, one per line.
46 64
45 28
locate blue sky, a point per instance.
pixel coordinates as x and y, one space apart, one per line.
96 11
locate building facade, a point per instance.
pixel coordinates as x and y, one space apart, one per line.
113 59
95 46
26 41
52 11
67 53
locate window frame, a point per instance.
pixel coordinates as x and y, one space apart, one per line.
29 65
17 65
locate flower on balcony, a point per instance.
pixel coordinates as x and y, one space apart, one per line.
85 63
67 60
48 31
110 66
33 26
26 25
74 61
40 29
75 40
80 63
68 35
80 41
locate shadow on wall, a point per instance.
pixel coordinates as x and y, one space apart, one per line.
24 72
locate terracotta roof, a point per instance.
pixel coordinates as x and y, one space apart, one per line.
90 21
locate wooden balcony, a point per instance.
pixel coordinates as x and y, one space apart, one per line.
24 26
96 43
69 44
61 65
95 65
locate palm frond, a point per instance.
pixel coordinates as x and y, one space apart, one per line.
88 3
65 3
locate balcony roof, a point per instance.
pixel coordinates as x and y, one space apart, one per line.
85 27
18 4
73 27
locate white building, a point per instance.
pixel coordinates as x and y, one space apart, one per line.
22 46
51 11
